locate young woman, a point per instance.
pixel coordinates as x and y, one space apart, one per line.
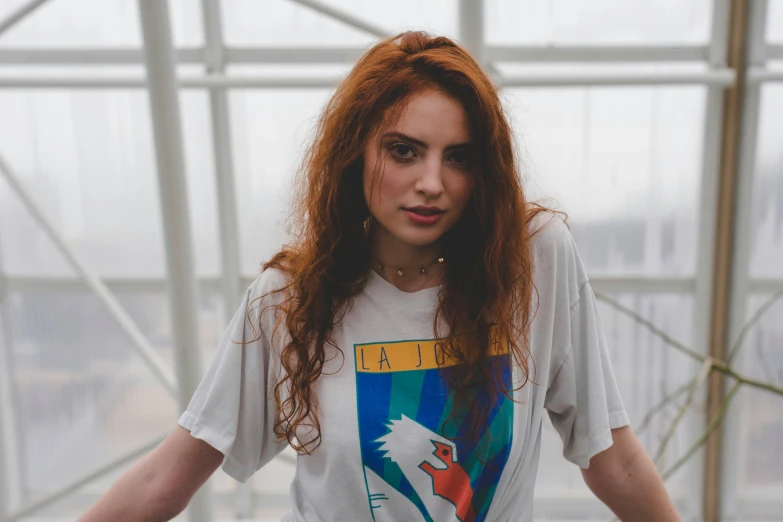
410 339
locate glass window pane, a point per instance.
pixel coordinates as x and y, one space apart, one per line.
775 21
270 129
439 17
284 23
78 23
187 28
24 248
202 185
647 370
624 163
87 158
273 482
562 22
766 250
10 6
84 396
761 422
97 23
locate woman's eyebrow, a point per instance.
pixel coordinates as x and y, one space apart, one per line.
421 144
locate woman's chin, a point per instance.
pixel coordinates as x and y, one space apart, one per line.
419 238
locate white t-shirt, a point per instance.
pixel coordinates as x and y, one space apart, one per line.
384 409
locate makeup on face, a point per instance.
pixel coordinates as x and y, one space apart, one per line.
418 178
404 149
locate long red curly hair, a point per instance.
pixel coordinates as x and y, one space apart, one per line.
488 280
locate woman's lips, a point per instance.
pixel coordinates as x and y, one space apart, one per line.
423 219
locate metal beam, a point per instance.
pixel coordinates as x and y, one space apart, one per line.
227 206
170 161
717 77
12 478
471 29
58 283
72 82
346 18
763 286
619 53
216 81
89 56
605 283
760 74
224 161
139 341
773 52
77 484
643 284
349 55
283 55
7 424
20 14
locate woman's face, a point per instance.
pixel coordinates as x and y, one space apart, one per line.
426 170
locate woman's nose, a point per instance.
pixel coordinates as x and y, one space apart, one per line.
430 181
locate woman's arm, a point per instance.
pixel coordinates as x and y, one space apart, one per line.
160 486
625 479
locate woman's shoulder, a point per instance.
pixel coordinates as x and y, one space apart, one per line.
554 251
548 230
271 281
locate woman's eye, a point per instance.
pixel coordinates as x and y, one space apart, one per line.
460 158
402 150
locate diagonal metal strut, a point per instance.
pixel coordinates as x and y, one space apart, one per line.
139 341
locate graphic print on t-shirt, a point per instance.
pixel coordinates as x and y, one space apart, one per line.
418 465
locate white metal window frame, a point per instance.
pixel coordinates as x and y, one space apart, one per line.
160 59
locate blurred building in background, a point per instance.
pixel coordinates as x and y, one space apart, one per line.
617 107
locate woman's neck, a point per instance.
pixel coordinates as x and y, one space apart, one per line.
401 263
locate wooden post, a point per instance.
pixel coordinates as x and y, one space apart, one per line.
724 243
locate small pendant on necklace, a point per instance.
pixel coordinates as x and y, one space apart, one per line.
399 272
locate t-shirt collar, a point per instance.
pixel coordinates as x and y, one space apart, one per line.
380 288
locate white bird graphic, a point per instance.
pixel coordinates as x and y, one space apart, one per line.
412 446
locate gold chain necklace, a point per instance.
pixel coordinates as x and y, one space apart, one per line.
400 271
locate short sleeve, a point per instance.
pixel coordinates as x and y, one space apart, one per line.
583 400
232 409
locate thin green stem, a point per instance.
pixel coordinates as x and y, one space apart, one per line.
712 426
721 366
661 405
753 320
695 383
657 331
